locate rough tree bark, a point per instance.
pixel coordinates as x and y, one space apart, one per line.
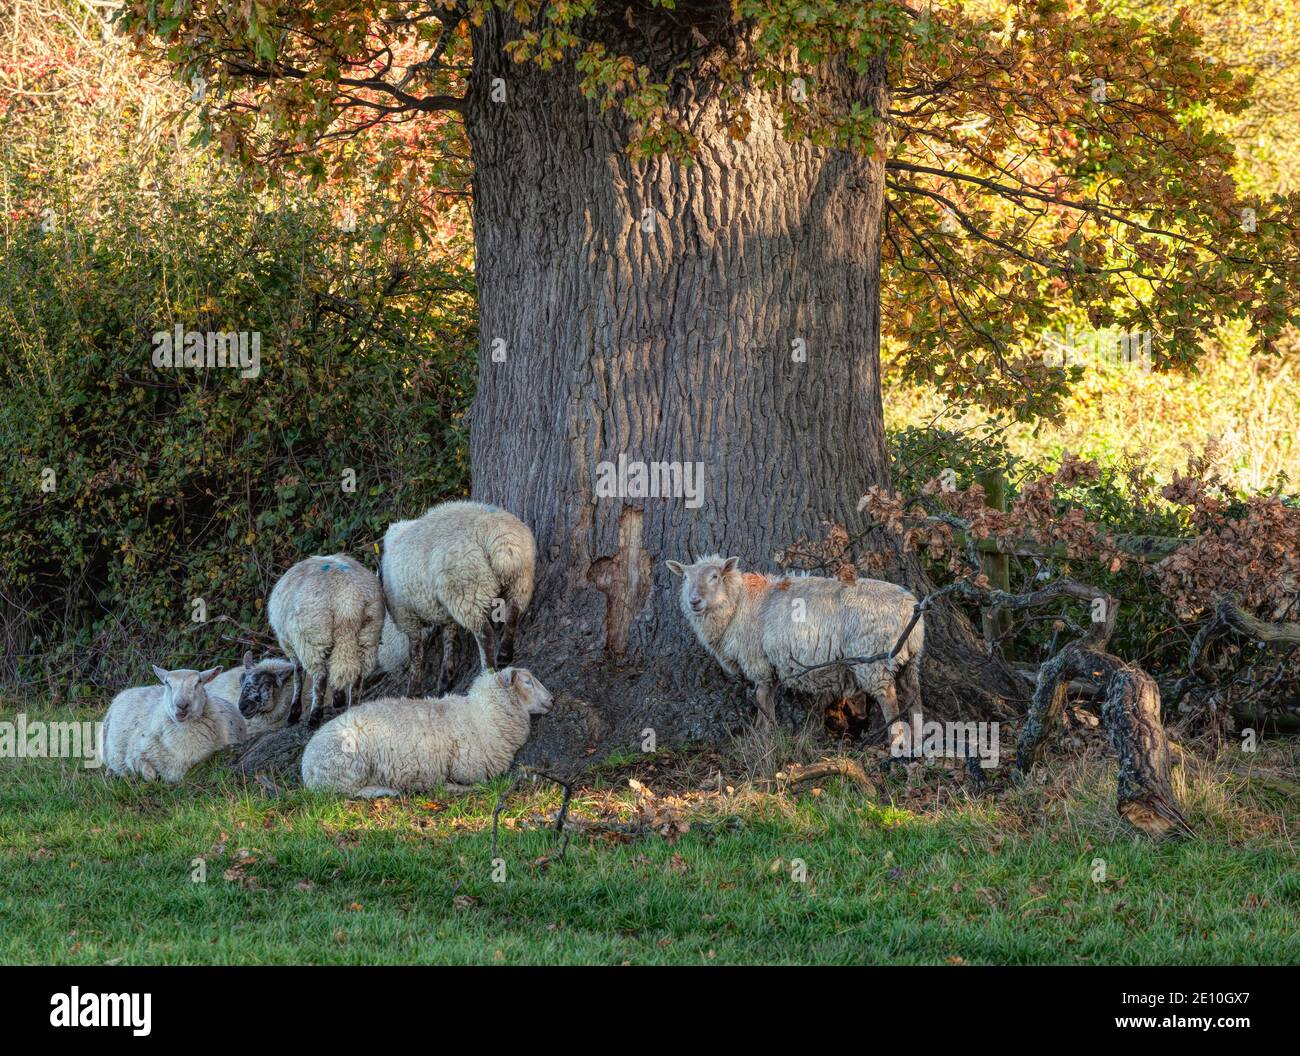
724 313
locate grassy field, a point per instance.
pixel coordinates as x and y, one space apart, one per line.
94 870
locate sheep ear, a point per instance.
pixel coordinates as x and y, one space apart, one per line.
207 676
507 677
730 564
676 568
248 659
162 675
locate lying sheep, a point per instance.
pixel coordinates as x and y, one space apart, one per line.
393 745
769 628
462 563
162 731
262 691
328 615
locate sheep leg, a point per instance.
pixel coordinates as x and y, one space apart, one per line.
765 692
417 663
295 704
899 736
487 646
448 658
506 647
909 694
376 792
322 696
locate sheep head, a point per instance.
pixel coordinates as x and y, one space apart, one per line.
261 686
705 583
183 692
525 687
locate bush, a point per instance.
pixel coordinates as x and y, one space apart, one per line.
132 490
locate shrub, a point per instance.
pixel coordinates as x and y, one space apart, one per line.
171 485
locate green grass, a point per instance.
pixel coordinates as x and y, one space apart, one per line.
96 870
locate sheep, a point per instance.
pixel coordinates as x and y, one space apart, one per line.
162 731
394 647
462 563
328 615
396 744
770 628
264 692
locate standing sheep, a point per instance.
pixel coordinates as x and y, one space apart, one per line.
162 731
770 628
462 563
264 691
389 746
328 615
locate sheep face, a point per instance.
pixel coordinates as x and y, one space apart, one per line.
259 688
183 692
525 686
704 584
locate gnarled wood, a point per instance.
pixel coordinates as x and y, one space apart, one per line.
1130 714
1232 614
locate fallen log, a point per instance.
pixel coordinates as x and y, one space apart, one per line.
1029 672
1232 614
1229 616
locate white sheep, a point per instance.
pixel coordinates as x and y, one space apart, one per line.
770 628
394 648
163 731
328 615
396 744
462 563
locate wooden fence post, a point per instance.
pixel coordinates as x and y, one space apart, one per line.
996 566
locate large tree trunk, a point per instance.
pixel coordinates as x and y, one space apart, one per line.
724 313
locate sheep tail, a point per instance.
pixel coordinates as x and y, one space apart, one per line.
512 558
